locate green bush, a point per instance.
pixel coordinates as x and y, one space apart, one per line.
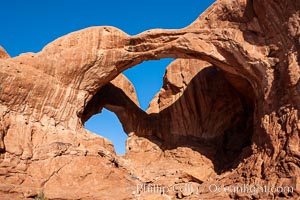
41 196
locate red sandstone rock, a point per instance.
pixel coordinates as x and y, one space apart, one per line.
227 116
3 53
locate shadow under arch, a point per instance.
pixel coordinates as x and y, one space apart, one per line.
213 115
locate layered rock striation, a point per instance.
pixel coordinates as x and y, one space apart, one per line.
227 113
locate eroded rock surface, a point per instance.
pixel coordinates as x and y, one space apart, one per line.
227 113
3 53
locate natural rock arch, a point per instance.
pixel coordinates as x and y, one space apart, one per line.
43 96
197 107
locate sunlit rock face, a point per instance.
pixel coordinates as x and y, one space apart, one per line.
227 113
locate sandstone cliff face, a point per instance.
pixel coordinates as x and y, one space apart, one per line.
227 113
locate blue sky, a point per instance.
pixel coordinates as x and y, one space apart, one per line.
27 26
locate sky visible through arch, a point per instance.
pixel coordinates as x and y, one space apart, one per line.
27 26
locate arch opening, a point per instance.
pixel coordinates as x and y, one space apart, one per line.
199 106
146 78
107 124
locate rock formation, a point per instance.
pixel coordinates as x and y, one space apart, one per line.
226 115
